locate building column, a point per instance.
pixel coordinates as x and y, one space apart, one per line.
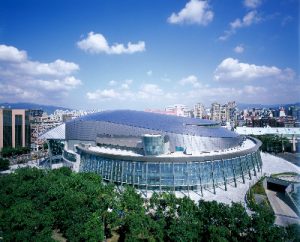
133 175
294 143
146 179
253 164
256 161
173 177
242 169
248 167
200 180
233 171
213 177
159 163
122 172
224 176
187 177
50 153
111 171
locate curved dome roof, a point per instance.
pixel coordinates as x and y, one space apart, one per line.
160 122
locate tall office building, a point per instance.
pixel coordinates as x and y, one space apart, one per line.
14 128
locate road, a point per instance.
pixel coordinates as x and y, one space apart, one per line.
285 215
291 157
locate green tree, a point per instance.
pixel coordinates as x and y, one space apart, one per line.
36 202
93 228
4 164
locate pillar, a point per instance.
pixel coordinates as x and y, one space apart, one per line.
242 169
200 179
213 178
224 176
233 170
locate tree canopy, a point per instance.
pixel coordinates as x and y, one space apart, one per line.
4 164
34 203
273 143
10 151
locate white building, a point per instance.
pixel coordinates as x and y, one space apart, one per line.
199 110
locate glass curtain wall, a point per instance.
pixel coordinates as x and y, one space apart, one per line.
7 128
27 129
173 175
18 131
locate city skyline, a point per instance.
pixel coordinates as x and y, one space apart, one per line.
138 54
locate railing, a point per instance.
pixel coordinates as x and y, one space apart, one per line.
69 156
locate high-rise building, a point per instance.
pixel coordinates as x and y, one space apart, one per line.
199 110
224 113
14 128
220 112
215 111
233 112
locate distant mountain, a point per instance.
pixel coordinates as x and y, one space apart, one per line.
46 108
247 105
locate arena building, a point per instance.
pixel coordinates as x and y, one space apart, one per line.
158 152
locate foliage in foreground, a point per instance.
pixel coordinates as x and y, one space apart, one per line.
10 151
35 202
272 143
4 164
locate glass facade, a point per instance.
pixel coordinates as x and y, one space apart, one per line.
56 147
69 156
191 175
7 128
18 130
153 144
27 129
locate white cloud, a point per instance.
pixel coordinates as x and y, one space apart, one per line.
194 12
232 70
112 83
252 90
250 18
252 3
96 43
239 49
103 94
65 84
259 92
125 86
150 90
149 73
10 53
45 81
190 81
128 82
56 68
146 91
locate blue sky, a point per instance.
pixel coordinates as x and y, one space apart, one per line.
141 54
